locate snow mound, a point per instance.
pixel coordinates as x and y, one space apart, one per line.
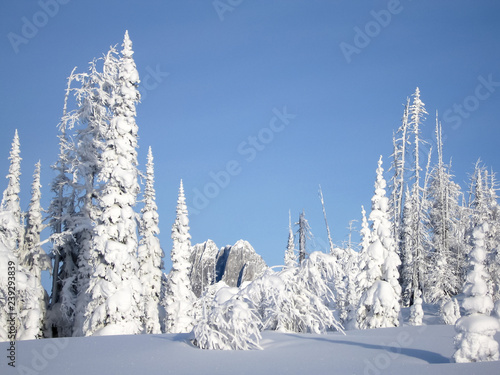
478 323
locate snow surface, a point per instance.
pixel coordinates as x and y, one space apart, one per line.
403 350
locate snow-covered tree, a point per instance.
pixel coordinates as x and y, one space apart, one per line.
406 251
474 341
493 257
297 299
443 279
231 324
416 310
150 253
115 291
400 144
179 297
303 233
10 200
290 256
32 299
10 235
93 117
449 311
61 212
414 230
351 270
378 279
9 273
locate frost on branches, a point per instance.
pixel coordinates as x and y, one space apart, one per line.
475 341
378 279
179 298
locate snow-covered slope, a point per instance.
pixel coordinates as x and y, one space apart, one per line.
405 350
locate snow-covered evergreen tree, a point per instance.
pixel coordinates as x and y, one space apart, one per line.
150 253
483 208
9 228
303 233
443 279
10 200
10 235
290 256
115 291
32 299
297 299
400 145
493 257
475 341
351 270
414 231
406 251
179 297
61 212
378 279
231 324
416 310
93 116
449 311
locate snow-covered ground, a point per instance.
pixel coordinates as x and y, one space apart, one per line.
404 350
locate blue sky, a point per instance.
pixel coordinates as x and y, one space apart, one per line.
272 98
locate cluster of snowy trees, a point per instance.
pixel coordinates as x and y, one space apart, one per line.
106 258
423 241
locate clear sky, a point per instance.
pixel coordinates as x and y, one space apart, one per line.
269 98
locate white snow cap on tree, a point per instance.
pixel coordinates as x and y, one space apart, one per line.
475 341
179 299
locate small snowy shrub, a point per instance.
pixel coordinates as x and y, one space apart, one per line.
416 311
230 325
378 307
450 311
475 341
296 299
